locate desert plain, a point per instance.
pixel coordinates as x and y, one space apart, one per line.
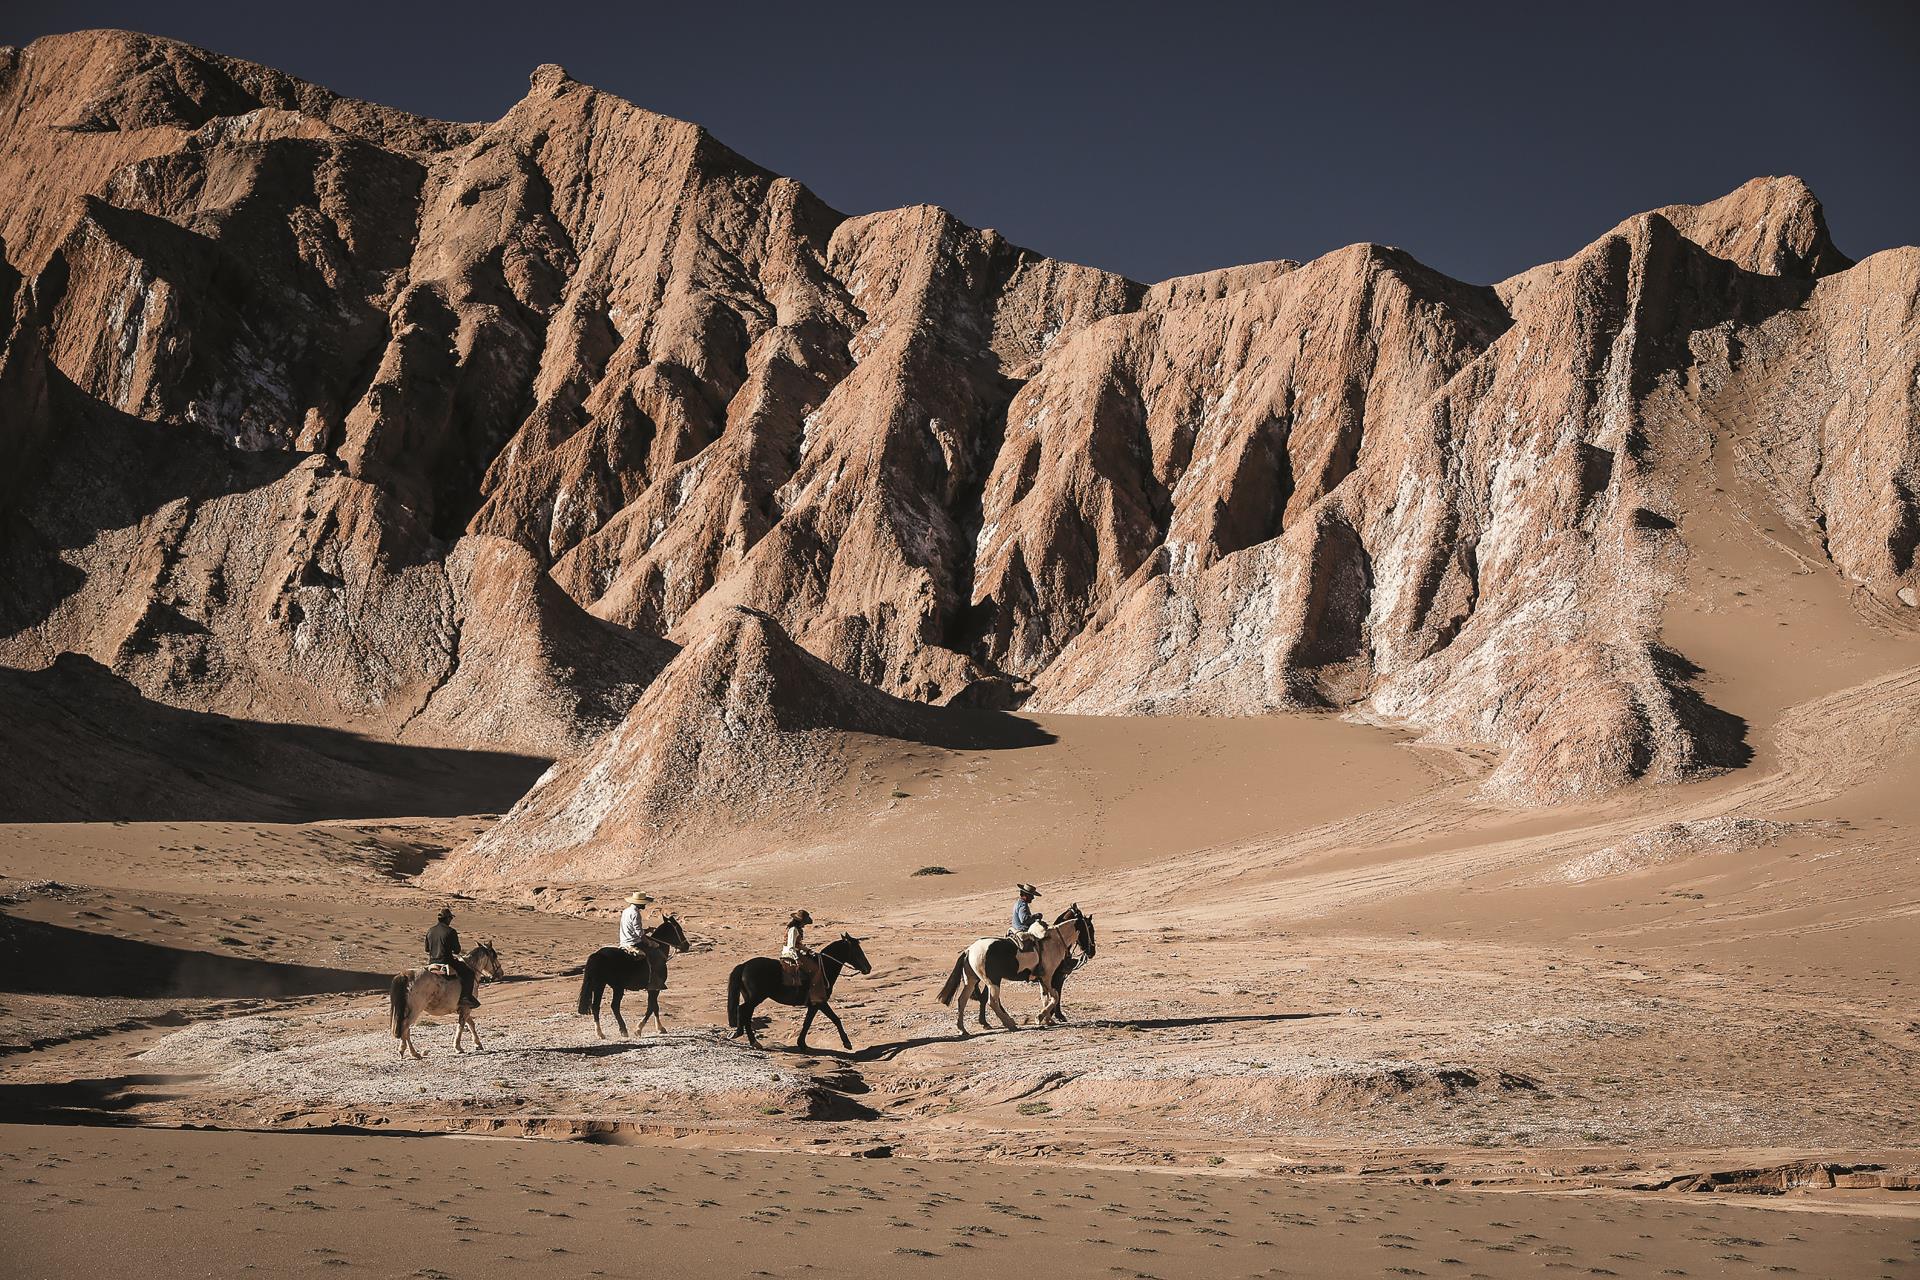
1481 721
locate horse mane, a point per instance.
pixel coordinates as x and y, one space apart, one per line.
841 948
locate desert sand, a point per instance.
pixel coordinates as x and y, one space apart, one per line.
1482 722
234 1203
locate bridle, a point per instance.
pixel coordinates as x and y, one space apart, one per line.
1082 931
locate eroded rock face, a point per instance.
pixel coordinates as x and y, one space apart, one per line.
315 410
744 729
1493 564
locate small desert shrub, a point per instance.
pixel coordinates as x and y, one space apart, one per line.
1034 1108
933 871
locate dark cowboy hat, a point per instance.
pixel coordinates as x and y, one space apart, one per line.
803 916
1027 890
446 913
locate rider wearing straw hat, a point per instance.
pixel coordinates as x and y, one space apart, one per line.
801 960
633 930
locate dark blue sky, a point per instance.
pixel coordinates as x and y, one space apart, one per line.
1159 139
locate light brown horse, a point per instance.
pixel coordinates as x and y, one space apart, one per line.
417 993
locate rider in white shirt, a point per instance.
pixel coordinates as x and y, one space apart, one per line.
633 929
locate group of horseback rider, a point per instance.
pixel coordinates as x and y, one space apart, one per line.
801 961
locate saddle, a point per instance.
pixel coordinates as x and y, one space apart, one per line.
440 969
805 975
1026 945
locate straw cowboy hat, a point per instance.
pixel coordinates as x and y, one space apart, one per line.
1027 890
639 899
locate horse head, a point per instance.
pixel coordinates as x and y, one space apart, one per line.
486 960
1083 926
846 949
669 931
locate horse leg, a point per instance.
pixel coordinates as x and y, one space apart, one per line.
471 1025
967 989
806 1022
406 1037
653 1011
619 993
598 992
834 1018
1009 1023
747 1006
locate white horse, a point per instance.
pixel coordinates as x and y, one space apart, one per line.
982 967
418 992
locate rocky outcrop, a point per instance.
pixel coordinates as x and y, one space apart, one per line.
744 730
1493 565
316 410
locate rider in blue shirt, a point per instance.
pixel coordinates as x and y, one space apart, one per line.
1025 918
1023 912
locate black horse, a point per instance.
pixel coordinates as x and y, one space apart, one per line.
620 969
764 978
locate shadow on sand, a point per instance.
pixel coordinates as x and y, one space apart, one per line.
95 1101
893 1048
51 959
80 744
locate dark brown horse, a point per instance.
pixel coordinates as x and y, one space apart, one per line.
620 969
764 978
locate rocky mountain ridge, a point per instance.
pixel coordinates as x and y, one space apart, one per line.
315 411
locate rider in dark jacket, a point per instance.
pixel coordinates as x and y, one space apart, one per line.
443 947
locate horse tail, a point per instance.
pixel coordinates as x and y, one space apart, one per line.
954 979
734 983
586 988
397 1003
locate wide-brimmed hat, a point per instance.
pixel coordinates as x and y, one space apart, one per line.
1028 890
446 913
803 916
639 899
